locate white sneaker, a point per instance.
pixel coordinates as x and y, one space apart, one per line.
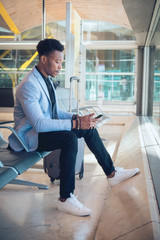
73 206
122 174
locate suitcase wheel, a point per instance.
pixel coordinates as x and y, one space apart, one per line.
52 180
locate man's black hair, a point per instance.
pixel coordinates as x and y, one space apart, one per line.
46 46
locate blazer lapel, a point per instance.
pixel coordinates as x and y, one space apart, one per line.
41 82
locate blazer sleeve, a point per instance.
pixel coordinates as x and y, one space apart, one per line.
64 115
29 96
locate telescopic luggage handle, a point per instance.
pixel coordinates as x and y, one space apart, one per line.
70 102
74 78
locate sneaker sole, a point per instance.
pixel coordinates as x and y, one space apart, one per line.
137 170
75 214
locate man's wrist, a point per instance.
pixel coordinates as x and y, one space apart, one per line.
76 124
73 124
74 117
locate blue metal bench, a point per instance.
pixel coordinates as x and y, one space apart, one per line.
13 163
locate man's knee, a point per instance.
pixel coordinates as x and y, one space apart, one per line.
90 132
71 141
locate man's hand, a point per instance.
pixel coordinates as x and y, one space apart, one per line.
88 121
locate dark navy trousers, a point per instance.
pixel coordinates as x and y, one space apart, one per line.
67 141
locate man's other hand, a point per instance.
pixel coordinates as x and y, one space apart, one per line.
88 121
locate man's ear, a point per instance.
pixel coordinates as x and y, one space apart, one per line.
43 59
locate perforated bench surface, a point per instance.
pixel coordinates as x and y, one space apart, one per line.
13 163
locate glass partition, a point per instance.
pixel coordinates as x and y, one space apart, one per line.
156 93
156 90
56 29
110 75
14 64
55 18
99 31
24 26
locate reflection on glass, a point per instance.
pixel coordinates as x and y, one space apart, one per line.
110 87
55 19
27 21
156 93
14 64
157 76
110 60
110 75
99 30
7 80
56 30
32 34
12 61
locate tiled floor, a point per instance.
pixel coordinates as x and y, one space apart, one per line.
124 212
127 206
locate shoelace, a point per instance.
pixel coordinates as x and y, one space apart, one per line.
119 169
76 203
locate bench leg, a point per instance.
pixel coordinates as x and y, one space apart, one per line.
28 183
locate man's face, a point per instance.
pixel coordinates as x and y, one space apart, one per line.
53 63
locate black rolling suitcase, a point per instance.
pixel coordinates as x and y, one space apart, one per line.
51 162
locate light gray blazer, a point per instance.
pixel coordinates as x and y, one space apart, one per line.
33 112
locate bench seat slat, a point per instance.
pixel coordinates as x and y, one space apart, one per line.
6 176
21 161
